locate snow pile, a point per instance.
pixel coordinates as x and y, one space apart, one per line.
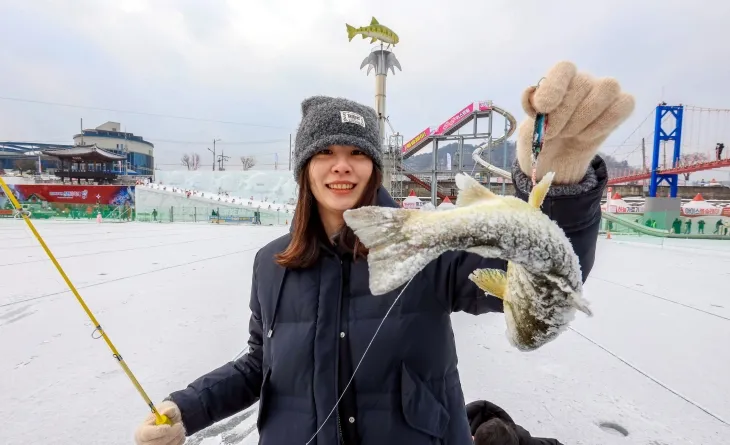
185 205
269 185
223 198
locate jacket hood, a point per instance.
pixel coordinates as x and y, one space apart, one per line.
481 411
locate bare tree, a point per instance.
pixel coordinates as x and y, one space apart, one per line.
690 159
248 162
25 165
185 160
194 161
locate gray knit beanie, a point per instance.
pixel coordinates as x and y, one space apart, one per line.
335 121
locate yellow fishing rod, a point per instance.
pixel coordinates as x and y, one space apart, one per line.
160 418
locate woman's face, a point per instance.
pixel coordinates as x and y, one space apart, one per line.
338 176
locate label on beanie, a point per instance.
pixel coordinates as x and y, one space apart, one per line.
349 116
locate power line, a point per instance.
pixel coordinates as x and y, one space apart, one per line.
269 141
632 133
169 141
143 113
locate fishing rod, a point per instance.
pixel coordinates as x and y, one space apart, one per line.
159 418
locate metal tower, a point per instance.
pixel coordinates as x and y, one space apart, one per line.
381 60
661 135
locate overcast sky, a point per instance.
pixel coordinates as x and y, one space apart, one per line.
252 62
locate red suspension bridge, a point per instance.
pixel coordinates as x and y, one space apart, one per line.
697 134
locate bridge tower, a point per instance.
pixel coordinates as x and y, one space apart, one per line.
665 209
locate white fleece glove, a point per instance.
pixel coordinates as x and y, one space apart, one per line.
582 112
149 433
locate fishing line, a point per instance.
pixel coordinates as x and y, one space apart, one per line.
697 405
661 298
360 362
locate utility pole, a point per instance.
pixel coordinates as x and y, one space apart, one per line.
213 151
221 158
643 164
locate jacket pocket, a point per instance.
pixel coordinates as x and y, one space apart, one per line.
261 418
421 409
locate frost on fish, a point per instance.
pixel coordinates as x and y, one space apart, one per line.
543 285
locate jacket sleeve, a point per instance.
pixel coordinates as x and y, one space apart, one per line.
576 208
230 388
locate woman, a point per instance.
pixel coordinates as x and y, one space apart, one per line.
312 314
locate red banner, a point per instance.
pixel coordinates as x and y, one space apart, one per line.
72 194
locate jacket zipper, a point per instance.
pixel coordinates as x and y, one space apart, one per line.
339 428
339 424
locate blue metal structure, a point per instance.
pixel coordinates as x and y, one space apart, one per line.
22 147
137 163
11 151
660 135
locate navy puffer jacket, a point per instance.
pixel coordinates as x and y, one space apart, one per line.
309 328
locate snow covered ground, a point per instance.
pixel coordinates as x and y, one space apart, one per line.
174 300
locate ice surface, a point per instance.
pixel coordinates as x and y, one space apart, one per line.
174 300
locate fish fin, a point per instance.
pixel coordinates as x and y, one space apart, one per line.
364 36
374 22
351 32
582 305
393 257
373 40
471 191
492 281
538 193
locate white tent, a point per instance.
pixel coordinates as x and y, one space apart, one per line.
412 201
446 204
698 202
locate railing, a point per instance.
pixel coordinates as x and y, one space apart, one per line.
217 215
654 226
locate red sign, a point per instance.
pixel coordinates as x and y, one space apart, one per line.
72 194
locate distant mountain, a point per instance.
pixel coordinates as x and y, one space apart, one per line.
423 162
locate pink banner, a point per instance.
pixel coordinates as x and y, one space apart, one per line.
455 119
446 126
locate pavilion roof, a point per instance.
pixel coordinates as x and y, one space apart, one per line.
85 153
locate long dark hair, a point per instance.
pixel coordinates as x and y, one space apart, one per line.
308 232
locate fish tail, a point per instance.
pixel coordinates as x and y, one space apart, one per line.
392 259
351 32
